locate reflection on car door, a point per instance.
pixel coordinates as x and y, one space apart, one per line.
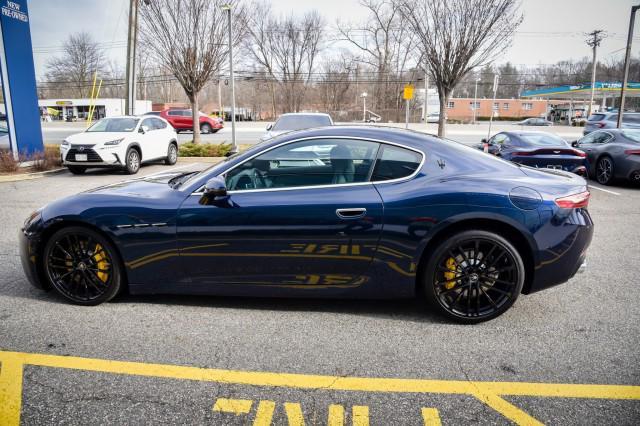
284 231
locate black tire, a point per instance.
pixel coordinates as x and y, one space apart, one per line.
604 170
77 170
205 128
473 276
132 161
215 130
172 155
82 266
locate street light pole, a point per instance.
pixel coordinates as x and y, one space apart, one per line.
234 146
426 95
130 97
627 59
364 107
475 100
594 42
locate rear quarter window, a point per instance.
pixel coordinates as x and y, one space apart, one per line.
394 163
631 118
596 117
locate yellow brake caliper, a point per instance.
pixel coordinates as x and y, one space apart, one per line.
102 263
449 276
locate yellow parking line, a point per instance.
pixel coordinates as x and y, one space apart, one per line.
488 392
235 406
431 417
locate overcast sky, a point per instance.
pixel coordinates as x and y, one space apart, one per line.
552 30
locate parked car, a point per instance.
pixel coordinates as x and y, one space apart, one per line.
120 142
156 113
433 117
612 154
390 213
534 122
4 137
537 149
182 119
296 121
609 120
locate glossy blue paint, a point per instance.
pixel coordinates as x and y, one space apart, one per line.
281 242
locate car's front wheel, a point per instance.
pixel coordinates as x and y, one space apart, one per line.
77 170
205 128
132 161
172 155
473 276
82 266
604 171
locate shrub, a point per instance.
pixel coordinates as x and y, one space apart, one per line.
191 149
47 159
8 164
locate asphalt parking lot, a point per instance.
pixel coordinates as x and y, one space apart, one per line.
568 355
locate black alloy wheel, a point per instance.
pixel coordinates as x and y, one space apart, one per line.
132 161
474 276
82 266
205 128
604 171
172 155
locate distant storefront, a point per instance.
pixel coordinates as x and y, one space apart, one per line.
78 109
463 108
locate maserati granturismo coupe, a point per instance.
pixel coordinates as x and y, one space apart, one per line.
332 212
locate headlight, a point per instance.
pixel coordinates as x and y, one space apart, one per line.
113 142
65 143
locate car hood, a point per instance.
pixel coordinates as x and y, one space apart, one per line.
94 138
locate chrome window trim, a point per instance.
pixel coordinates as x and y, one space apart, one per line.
200 190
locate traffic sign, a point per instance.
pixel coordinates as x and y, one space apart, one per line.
408 92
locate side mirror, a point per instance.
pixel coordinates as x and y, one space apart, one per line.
574 144
269 127
215 193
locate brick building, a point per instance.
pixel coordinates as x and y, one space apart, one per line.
462 108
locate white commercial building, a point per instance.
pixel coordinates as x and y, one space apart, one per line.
78 109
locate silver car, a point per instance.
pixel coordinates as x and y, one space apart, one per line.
612 154
296 121
609 120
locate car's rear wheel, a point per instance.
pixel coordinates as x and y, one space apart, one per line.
604 170
132 161
77 170
205 128
82 266
473 276
172 155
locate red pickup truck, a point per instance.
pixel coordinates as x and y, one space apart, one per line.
182 119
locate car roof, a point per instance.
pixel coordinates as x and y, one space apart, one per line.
306 113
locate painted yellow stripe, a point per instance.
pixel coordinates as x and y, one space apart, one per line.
264 413
294 413
487 392
336 415
431 417
235 406
360 415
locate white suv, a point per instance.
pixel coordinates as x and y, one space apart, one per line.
121 142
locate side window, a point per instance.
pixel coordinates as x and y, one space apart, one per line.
306 163
395 163
148 122
588 139
187 113
174 112
499 138
159 124
602 137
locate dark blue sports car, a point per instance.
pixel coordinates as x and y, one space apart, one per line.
330 212
537 149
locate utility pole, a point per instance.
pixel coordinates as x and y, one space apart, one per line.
627 59
596 37
495 89
234 146
220 108
426 95
475 101
132 36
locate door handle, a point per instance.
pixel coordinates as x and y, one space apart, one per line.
354 213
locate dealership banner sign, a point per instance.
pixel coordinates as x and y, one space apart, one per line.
18 78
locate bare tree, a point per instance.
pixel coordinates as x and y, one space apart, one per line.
335 83
386 46
74 69
287 48
458 35
188 37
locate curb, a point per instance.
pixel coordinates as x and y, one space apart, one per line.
29 176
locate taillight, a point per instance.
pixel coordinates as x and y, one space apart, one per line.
599 125
522 154
580 153
574 201
632 152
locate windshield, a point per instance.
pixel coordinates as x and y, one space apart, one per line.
632 135
114 125
596 117
542 139
299 122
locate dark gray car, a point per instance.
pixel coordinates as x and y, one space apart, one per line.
609 120
612 154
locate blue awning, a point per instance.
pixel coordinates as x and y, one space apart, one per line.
583 91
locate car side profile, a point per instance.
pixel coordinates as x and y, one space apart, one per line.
537 149
613 154
609 120
182 119
296 121
534 122
120 142
360 212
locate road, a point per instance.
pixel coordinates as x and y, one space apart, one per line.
221 360
250 132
